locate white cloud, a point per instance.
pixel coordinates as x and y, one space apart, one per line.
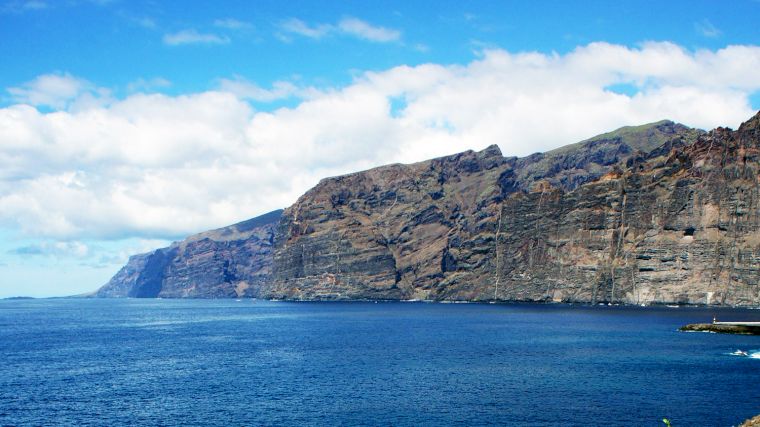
421 47
148 85
706 28
364 30
51 90
299 27
166 166
146 22
192 36
21 6
248 90
232 24
102 2
35 5
349 26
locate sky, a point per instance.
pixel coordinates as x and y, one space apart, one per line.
128 124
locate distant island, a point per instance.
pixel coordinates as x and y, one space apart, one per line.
659 213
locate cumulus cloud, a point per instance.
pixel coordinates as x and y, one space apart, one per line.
192 36
158 166
349 26
51 90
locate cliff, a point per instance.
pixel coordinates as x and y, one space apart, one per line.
233 261
676 225
444 229
654 213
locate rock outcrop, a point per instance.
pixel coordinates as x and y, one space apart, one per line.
752 422
658 213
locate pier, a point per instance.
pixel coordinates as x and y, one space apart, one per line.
754 324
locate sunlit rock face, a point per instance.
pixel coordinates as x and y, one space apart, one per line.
658 213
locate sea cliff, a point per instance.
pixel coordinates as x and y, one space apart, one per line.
658 213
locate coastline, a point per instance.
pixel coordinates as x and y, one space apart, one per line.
661 305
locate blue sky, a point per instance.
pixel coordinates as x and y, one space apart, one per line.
115 43
125 125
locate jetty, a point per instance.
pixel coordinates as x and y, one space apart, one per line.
744 328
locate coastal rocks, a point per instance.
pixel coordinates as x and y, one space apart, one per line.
722 328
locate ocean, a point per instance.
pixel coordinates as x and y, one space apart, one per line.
151 362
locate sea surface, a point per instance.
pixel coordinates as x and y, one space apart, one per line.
232 363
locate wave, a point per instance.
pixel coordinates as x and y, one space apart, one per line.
752 354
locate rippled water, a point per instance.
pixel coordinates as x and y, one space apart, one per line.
191 362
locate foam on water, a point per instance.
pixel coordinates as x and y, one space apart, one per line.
752 354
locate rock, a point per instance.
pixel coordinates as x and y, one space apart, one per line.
752 422
723 329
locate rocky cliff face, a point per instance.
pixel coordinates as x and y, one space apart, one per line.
439 229
677 225
232 261
394 232
655 213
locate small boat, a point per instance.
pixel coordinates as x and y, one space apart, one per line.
740 353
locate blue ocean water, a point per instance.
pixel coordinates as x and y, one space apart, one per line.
228 363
